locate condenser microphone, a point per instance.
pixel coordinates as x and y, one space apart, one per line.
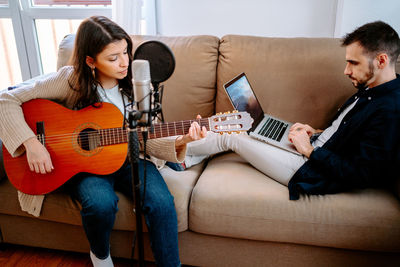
142 88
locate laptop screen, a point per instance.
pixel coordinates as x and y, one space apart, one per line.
242 97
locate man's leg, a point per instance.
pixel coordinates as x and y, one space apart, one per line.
276 163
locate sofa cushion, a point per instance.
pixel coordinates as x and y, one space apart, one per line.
287 75
181 184
191 88
59 207
233 199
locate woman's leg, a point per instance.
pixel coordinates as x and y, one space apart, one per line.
276 163
159 212
99 206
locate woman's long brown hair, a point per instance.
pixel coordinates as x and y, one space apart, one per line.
93 35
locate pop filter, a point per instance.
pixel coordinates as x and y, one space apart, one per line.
160 57
162 65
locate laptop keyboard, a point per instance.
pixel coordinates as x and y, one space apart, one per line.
273 129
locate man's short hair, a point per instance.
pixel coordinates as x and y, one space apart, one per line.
376 37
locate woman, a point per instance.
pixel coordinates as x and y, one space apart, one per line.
100 72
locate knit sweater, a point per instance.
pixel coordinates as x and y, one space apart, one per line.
14 130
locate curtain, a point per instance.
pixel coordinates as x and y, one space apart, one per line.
128 15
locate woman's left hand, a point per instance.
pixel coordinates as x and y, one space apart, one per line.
195 133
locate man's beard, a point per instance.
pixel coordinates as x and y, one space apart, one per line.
362 84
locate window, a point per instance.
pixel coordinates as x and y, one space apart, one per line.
50 32
35 28
11 73
71 2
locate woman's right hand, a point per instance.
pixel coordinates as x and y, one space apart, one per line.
37 156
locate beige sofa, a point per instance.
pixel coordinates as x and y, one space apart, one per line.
230 214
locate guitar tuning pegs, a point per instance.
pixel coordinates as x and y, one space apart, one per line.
228 112
235 111
219 113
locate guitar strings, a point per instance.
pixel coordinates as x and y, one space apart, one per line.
119 135
104 137
162 128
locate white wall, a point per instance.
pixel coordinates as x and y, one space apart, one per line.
359 12
283 18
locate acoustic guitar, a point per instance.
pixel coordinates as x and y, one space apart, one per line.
92 140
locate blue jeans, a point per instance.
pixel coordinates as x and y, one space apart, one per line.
99 206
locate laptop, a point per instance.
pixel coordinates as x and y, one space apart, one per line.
265 128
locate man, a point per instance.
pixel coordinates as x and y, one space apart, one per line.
363 150
360 149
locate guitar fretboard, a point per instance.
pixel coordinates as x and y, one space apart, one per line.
114 136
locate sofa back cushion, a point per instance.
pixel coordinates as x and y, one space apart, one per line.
191 88
297 79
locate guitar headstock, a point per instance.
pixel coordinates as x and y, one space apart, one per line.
229 122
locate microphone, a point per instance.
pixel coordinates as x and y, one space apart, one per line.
162 65
141 88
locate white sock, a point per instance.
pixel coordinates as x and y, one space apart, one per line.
107 262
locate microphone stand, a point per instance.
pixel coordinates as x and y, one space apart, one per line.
133 151
157 99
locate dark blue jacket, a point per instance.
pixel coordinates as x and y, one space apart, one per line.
363 152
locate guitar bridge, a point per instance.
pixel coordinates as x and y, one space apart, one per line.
40 132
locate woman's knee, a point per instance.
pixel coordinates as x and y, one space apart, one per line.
160 204
101 206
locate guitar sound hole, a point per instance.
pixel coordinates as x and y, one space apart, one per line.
88 139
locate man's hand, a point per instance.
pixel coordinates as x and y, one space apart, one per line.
37 156
195 133
299 135
299 126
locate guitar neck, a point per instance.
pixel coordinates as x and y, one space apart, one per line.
114 136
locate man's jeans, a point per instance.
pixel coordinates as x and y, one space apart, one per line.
99 206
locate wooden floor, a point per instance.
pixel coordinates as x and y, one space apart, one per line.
20 256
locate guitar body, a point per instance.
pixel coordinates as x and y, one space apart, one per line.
66 133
